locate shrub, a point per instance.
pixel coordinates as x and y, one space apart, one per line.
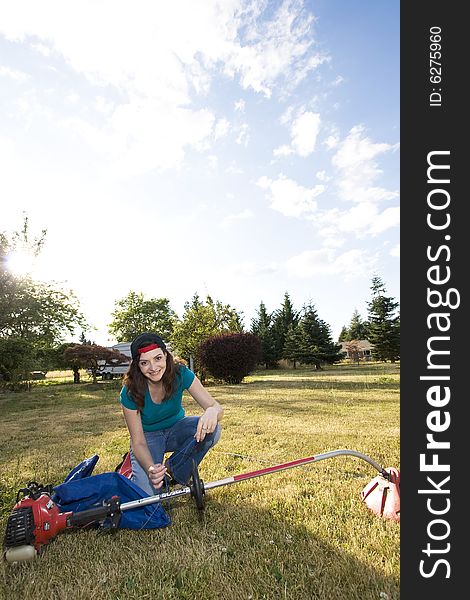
16 358
230 356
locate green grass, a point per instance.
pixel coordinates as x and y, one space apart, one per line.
300 534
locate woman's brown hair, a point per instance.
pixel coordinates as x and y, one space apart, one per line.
137 386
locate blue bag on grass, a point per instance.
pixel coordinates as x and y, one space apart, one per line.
81 491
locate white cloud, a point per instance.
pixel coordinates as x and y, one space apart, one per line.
251 269
241 216
102 105
213 161
140 125
42 49
356 178
264 182
280 48
240 105
164 50
221 128
286 116
289 198
390 217
243 136
14 74
355 160
283 150
153 61
350 264
332 241
331 142
130 139
395 251
234 169
338 81
304 131
361 219
72 98
322 176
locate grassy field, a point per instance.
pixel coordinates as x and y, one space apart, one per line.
300 534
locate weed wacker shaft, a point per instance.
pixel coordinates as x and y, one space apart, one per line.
243 476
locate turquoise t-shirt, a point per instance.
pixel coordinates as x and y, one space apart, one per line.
160 416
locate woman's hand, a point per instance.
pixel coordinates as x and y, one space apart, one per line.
156 473
207 423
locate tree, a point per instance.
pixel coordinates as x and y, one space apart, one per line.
37 312
16 359
384 323
230 356
83 339
200 321
293 345
354 350
262 327
315 340
357 330
134 314
60 362
343 336
32 313
282 319
20 241
88 356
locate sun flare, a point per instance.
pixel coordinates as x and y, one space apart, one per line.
20 263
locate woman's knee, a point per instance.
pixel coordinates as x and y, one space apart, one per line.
216 434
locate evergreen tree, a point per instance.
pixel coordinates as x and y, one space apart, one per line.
83 339
344 334
293 345
262 327
384 323
315 339
282 319
358 329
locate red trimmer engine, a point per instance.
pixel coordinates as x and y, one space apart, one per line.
35 520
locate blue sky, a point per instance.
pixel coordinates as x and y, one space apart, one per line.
232 148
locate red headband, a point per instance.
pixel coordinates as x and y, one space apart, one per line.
148 348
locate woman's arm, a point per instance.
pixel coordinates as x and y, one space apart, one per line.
155 472
213 412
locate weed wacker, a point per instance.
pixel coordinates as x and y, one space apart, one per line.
36 519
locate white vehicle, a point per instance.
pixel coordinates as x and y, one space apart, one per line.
111 370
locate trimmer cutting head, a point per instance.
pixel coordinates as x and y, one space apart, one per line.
382 495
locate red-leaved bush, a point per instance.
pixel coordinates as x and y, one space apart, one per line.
230 356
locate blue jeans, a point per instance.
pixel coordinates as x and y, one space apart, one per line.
178 439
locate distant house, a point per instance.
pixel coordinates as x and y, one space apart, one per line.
364 350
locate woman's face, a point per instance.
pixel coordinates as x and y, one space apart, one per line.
153 364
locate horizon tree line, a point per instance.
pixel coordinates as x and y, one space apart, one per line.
36 317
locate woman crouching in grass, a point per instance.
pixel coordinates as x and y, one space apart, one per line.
151 399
